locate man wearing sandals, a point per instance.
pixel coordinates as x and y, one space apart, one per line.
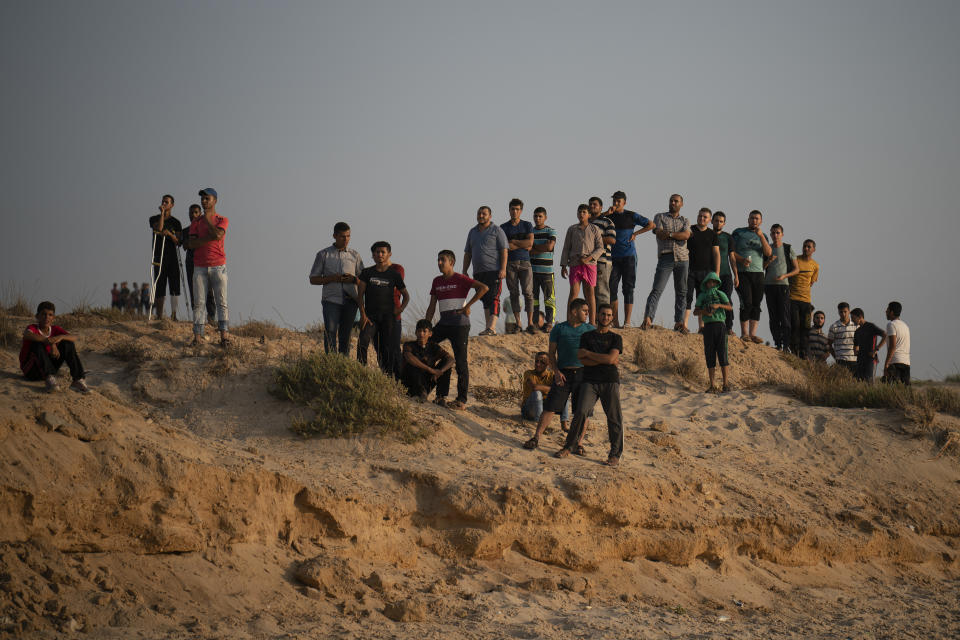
567 369
599 352
209 265
672 231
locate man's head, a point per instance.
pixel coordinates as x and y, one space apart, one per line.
776 234
446 260
809 246
676 203
341 235
754 219
703 218
380 251
483 216
819 317
195 212
596 206
579 311
583 213
539 217
894 309
604 316
719 220
857 316
541 361
45 313
843 310
618 201
516 208
166 203
208 198
423 331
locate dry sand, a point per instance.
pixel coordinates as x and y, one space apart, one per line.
173 501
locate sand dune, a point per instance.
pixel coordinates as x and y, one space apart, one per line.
175 502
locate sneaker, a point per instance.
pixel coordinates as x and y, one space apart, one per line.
80 386
531 329
52 384
488 332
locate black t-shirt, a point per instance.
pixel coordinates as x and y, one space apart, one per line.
168 246
378 298
700 244
432 355
601 343
863 338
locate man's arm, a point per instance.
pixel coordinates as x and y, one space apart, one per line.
431 308
544 247
647 227
733 268
891 345
362 289
792 272
215 231
521 242
716 259
591 357
466 262
763 241
481 291
503 264
404 301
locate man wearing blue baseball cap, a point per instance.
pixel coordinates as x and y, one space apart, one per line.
209 265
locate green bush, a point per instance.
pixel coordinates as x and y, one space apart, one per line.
344 396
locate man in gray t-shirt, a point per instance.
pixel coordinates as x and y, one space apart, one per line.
778 267
486 249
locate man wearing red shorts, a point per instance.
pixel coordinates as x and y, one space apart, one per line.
582 246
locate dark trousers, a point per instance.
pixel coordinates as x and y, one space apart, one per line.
41 364
380 331
491 299
211 305
897 372
694 282
457 335
751 295
715 344
726 285
168 272
800 314
778 307
864 370
419 382
849 365
338 321
609 395
543 283
623 268
395 347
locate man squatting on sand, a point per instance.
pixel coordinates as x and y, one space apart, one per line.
46 347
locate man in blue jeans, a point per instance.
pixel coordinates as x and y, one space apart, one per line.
536 385
209 265
623 255
336 268
672 231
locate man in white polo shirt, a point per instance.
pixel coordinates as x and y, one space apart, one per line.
840 337
896 368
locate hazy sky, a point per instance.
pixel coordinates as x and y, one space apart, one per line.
838 120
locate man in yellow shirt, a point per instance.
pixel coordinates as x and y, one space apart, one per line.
801 304
536 385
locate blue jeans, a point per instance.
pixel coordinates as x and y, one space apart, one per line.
533 407
214 279
665 266
338 319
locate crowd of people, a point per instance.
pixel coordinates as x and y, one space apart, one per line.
598 256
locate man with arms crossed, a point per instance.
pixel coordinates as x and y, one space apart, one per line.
486 250
704 250
728 265
609 234
566 366
519 273
750 249
896 367
541 260
209 265
840 339
600 353
672 231
581 248
336 269
449 291
623 254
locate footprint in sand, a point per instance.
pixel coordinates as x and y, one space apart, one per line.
819 424
754 424
797 430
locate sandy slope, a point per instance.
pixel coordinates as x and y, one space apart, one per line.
174 502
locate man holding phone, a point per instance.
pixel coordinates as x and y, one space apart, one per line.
336 268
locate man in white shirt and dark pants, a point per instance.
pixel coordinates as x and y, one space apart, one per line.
896 368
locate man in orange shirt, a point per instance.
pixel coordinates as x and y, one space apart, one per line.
801 304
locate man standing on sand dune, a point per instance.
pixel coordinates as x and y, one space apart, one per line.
209 265
336 268
672 231
750 249
519 235
896 367
623 253
486 250
840 339
608 232
866 343
166 266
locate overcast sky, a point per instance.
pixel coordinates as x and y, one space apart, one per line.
838 120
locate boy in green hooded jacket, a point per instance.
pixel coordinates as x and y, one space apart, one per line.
711 306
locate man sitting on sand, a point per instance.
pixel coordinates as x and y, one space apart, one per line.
46 347
712 307
535 387
425 365
600 353
866 345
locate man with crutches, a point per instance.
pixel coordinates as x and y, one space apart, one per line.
166 263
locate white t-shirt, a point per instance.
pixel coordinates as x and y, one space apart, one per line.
901 352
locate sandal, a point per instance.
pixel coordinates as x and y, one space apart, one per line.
563 453
531 444
579 451
458 405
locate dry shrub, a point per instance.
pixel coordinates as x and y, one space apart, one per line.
257 329
83 317
229 360
15 303
647 359
10 331
687 369
496 394
344 396
953 377
128 350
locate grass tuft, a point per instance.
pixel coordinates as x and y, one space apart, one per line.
128 350
257 329
953 377
344 396
11 331
688 369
